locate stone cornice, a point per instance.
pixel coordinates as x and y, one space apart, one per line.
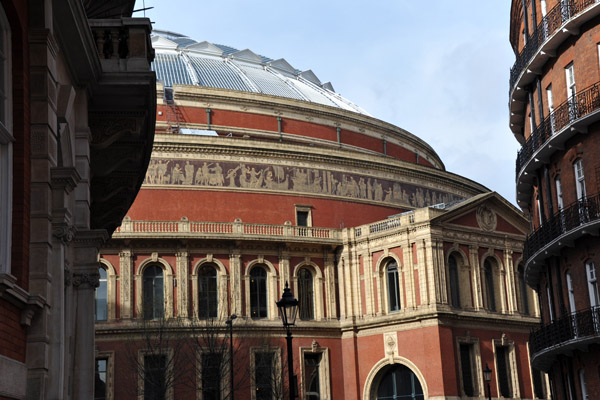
210 97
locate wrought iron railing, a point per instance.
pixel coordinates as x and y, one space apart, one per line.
579 325
578 106
548 25
579 213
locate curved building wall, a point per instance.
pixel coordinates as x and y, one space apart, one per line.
554 105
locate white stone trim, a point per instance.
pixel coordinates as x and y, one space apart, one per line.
382 284
325 373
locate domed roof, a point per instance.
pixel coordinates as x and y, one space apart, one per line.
182 60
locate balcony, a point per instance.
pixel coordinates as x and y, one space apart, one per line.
572 332
578 219
569 118
560 22
225 230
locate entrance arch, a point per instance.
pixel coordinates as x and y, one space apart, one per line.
395 379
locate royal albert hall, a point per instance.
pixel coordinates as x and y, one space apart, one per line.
409 277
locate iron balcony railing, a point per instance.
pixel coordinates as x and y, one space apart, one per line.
548 25
576 107
579 213
582 324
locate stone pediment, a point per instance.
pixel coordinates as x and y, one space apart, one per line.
489 212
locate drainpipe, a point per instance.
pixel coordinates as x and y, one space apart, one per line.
279 129
208 118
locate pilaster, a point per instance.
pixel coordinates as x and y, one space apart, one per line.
235 282
476 268
182 283
126 279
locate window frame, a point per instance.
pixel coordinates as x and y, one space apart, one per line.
511 366
110 370
258 296
324 370
306 298
211 295
145 294
579 178
276 365
102 280
397 306
454 281
490 285
476 369
592 281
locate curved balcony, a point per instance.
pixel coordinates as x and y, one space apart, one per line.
578 219
562 21
572 332
569 118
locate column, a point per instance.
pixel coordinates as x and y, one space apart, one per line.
182 283
126 279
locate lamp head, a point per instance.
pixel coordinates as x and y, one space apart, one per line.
288 307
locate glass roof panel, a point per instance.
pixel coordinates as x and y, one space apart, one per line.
171 69
268 82
214 72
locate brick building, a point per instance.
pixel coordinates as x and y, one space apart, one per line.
554 103
77 110
409 277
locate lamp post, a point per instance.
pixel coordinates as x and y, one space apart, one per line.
288 307
230 323
487 377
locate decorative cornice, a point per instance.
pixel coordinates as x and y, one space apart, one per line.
86 280
65 178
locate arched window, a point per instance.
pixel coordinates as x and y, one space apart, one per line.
102 297
207 292
258 293
154 295
454 281
306 294
592 283
6 140
399 382
523 290
391 272
490 294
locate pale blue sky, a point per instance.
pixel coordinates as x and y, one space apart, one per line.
436 68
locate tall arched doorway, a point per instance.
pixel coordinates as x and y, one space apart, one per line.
398 382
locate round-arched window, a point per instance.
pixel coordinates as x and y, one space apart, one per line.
399 382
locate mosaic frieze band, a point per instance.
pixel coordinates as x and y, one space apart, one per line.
243 175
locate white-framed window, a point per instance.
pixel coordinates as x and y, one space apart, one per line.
506 368
258 293
592 283
306 294
315 379
571 292
6 141
393 286
570 76
267 378
153 292
453 275
579 178
550 106
104 376
303 215
468 350
559 195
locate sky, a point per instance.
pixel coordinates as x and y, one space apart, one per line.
437 68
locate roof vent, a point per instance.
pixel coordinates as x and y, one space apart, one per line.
206 48
328 86
310 76
246 55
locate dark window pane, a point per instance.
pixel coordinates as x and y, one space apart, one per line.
100 379
503 371
454 282
264 376
489 286
258 293
393 286
207 292
212 364
312 365
154 303
306 294
399 382
467 372
302 218
102 297
155 385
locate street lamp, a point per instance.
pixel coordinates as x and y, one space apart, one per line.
230 323
487 377
288 307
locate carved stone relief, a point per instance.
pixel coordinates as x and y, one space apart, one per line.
301 180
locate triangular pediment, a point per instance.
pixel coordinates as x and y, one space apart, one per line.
246 55
282 65
310 76
328 86
159 42
488 212
205 47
